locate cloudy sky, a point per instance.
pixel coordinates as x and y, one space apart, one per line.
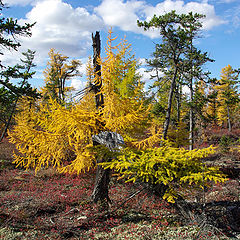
67 25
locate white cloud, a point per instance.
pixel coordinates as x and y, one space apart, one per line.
204 8
119 13
116 13
186 90
124 14
19 2
146 74
79 83
59 26
62 27
68 29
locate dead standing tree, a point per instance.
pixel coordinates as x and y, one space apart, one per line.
100 192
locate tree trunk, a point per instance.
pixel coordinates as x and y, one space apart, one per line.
9 121
191 120
100 192
170 97
229 120
191 101
97 70
179 95
11 114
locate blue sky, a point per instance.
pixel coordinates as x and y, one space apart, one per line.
67 25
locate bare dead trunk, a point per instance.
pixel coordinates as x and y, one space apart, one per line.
97 70
170 97
100 192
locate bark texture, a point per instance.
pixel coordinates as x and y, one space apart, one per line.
100 192
169 108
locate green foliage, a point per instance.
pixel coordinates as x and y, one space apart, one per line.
158 110
6 101
225 143
10 92
21 72
179 135
166 165
10 30
176 57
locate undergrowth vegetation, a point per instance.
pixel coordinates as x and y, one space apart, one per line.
50 205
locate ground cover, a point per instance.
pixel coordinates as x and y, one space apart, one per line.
49 205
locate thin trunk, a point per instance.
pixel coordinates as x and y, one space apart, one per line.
179 96
100 192
170 97
9 120
30 64
12 112
59 90
229 120
191 121
214 112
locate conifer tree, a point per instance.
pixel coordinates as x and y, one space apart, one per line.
10 30
227 96
56 74
176 57
10 93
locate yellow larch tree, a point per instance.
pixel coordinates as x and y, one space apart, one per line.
227 96
51 134
123 104
58 71
211 109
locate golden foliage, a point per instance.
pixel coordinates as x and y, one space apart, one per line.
123 107
166 165
49 133
227 96
58 71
